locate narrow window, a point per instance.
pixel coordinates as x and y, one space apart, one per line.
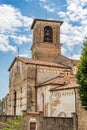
15 95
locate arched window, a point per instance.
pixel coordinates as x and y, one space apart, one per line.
48 34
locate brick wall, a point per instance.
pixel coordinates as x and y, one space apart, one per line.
46 51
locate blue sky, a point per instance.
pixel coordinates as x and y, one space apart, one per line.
16 17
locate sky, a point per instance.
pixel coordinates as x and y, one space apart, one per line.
16 17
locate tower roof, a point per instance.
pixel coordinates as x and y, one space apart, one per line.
43 20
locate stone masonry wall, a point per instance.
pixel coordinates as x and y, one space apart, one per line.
49 123
55 123
82 118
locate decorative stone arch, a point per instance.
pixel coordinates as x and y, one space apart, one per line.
48 34
61 114
32 125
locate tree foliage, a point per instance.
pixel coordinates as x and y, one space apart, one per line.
82 76
15 124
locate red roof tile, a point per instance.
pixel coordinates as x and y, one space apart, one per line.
56 80
66 61
37 62
60 83
68 86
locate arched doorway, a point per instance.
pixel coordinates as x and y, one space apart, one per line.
32 124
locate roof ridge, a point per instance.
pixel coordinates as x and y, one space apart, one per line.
66 86
37 62
49 80
46 82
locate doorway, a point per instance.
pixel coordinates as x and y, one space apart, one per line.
32 125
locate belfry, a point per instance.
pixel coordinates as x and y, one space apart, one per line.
46 39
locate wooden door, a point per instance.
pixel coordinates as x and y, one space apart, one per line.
33 126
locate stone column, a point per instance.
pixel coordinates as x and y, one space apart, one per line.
75 121
41 120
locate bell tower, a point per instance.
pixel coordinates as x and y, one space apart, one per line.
46 39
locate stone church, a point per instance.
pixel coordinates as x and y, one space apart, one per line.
46 82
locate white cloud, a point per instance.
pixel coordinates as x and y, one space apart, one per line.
9 19
49 8
42 0
4 44
63 50
23 55
74 28
69 2
62 14
21 39
47 5
26 22
11 24
71 35
76 56
76 11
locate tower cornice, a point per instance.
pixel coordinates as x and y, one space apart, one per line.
43 20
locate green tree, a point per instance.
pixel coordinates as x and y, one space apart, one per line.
82 76
15 124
